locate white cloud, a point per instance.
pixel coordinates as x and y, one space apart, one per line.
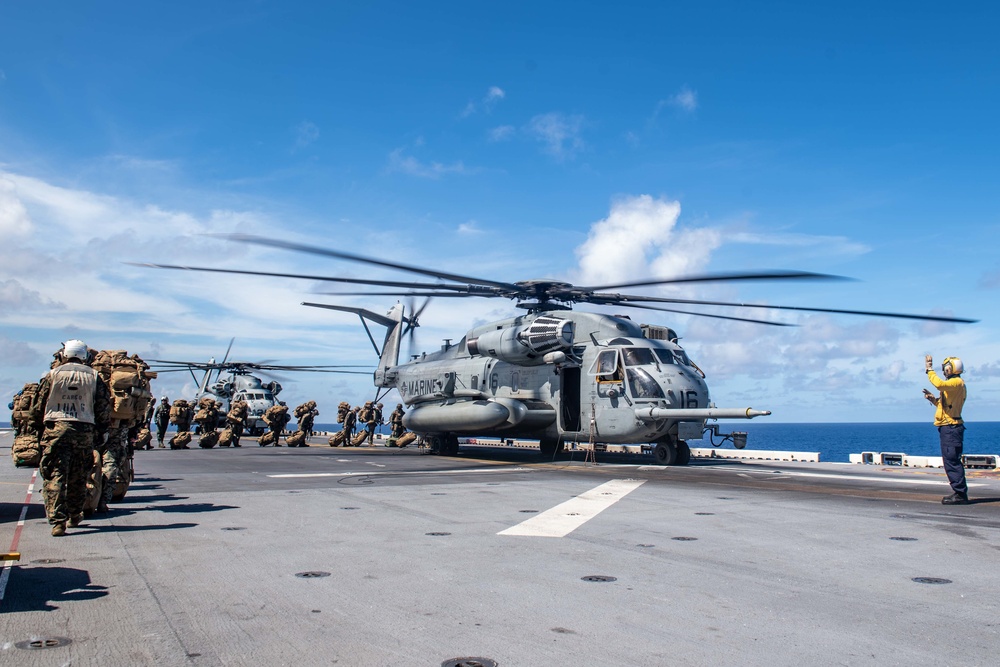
493 95
639 238
18 353
686 99
15 296
559 133
306 133
14 218
502 133
470 227
470 108
407 164
829 245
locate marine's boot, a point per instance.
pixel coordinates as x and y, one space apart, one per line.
75 520
955 499
59 529
102 507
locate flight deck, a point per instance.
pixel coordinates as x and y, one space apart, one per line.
499 556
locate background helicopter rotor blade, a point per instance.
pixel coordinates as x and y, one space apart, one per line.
323 252
228 350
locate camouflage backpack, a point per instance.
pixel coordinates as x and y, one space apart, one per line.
26 450
127 379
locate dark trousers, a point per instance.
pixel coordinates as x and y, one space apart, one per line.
952 440
161 429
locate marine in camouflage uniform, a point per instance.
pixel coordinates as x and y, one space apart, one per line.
113 455
396 428
73 410
236 419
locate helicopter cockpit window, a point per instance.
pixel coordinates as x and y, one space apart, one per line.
665 356
682 357
638 356
606 367
642 385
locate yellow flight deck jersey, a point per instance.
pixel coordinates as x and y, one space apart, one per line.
951 400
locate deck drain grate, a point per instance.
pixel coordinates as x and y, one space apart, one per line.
726 498
469 662
312 575
439 494
437 534
234 528
705 513
598 578
904 539
43 642
930 580
684 539
350 508
48 561
528 511
645 546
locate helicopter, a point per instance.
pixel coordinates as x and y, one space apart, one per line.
240 384
551 374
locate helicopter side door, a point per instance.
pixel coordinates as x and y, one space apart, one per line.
605 393
569 398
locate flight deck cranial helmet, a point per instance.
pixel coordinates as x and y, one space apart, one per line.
952 366
75 349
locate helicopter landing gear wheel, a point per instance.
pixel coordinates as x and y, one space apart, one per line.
683 454
665 453
450 445
445 444
550 447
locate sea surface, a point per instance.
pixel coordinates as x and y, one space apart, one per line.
835 442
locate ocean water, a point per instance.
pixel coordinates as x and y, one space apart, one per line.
835 442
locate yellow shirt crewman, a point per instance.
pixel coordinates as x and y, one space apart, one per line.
948 419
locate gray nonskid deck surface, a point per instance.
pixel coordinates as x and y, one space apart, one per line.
198 565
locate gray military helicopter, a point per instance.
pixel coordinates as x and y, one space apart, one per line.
228 381
551 374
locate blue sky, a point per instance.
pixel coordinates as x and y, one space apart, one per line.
579 141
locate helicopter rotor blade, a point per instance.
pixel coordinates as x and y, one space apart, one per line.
628 299
427 294
302 276
336 254
713 315
720 277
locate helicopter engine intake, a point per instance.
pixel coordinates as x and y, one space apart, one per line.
525 346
